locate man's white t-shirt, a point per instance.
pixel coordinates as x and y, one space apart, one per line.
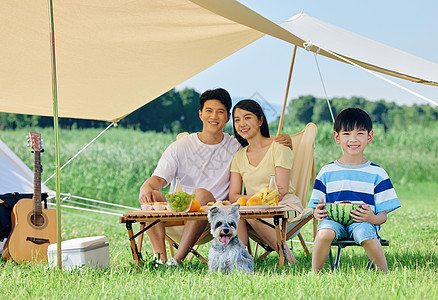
199 165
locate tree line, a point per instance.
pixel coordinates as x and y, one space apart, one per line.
171 112
177 111
310 109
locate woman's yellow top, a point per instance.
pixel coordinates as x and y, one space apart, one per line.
257 177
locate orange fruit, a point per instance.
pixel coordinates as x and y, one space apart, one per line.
254 201
196 206
242 201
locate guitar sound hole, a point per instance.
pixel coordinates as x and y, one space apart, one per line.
37 220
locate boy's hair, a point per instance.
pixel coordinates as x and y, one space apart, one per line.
217 94
351 118
255 108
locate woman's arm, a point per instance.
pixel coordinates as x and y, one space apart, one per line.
235 187
282 178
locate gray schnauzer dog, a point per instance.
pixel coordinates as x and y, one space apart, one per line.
227 252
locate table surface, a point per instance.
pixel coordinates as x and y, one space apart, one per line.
166 215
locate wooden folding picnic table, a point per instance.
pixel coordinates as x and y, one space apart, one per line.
153 217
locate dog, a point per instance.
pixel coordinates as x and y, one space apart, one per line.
227 253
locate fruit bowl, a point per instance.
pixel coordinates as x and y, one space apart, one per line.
179 201
341 212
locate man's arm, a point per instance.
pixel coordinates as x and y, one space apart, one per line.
285 140
154 183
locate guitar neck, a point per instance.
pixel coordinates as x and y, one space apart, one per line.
37 207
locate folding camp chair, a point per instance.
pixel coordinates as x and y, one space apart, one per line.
341 244
302 173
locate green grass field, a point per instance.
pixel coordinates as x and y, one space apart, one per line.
115 166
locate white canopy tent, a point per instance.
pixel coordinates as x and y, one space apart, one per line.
115 56
17 177
15 174
365 52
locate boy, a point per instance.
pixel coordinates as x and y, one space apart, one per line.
352 178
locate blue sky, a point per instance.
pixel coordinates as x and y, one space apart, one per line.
262 67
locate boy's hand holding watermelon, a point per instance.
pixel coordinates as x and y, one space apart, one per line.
319 212
363 214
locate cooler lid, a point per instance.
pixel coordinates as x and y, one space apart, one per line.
80 243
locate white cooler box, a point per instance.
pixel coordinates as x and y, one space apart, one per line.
89 251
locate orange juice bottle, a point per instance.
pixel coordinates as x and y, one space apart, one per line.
273 187
178 187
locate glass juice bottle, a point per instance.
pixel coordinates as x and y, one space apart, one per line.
178 187
273 187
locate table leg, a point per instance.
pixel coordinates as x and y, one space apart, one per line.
279 240
140 237
135 253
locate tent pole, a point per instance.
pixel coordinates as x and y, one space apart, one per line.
287 90
56 129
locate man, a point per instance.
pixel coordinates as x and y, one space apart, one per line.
202 161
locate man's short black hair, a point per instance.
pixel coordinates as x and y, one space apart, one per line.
351 118
217 94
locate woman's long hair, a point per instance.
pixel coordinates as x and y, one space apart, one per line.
253 107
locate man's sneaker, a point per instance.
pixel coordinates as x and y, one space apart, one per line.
172 262
156 263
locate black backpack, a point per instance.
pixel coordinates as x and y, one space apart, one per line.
7 202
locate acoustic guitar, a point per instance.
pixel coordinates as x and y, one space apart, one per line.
33 227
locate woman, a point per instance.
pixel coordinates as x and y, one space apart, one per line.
259 158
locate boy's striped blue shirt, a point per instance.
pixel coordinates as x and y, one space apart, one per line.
367 183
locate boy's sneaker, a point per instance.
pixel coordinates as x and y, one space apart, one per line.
172 262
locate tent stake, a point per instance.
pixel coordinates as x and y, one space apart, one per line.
287 90
56 129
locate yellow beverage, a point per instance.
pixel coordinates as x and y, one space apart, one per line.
273 187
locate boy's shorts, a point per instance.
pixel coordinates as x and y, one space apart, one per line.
358 231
